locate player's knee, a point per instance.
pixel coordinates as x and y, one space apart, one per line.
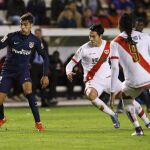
91 94
2 98
27 88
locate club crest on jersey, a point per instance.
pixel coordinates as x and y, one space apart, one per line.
31 44
106 51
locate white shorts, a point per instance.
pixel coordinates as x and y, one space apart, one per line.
102 86
130 91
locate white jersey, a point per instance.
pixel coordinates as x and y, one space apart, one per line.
135 62
95 64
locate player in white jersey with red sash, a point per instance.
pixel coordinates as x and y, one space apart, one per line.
132 50
94 58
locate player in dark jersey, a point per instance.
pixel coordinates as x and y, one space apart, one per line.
19 45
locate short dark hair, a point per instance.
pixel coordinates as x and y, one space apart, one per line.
28 16
140 19
38 29
97 28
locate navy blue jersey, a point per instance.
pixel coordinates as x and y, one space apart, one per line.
19 49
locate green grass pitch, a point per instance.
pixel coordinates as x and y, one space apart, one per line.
69 128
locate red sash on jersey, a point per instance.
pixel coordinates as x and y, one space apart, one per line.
101 60
125 46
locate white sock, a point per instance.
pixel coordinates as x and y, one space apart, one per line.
102 106
140 111
130 110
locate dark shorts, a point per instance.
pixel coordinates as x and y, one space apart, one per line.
8 78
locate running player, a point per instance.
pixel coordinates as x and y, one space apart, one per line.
94 58
131 50
19 45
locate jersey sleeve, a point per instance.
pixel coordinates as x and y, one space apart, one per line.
75 59
4 41
114 58
41 51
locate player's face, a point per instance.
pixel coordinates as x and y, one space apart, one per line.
25 27
139 26
38 34
94 38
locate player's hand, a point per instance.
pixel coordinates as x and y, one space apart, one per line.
112 99
70 76
44 81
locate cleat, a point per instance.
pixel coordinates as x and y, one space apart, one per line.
138 132
39 126
115 121
2 121
148 125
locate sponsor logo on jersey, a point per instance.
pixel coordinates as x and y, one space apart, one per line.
106 51
22 52
16 42
31 44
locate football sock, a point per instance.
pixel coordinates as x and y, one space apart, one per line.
102 106
1 112
130 110
33 106
140 111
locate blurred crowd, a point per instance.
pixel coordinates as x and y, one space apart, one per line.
75 13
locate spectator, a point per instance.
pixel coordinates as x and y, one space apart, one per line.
15 9
76 15
57 6
140 12
122 4
56 73
94 5
104 19
37 70
38 9
113 15
79 6
88 19
67 20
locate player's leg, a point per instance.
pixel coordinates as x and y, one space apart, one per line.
27 89
5 86
2 117
130 108
92 95
140 112
25 80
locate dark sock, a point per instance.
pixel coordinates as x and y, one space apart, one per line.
1 112
33 106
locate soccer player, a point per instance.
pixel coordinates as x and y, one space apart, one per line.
20 44
131 49
94 58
